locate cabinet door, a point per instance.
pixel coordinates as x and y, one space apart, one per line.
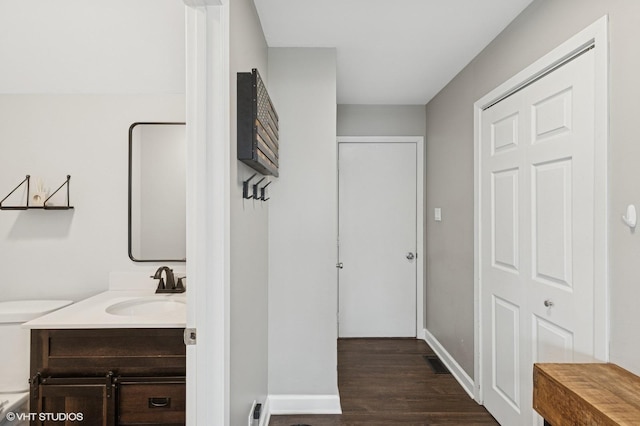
158 401
77 403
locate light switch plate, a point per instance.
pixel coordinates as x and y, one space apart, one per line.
437 214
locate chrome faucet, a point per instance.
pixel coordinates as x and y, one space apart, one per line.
170 285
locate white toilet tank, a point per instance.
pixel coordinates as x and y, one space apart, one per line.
14 366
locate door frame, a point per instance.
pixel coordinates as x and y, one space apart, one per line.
208 210
420 248
596 35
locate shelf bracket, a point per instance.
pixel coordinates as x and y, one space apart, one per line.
26 179
66 182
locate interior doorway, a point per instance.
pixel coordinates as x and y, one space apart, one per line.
380 221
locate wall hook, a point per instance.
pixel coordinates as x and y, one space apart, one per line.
630 219
262 192
245 188
255 189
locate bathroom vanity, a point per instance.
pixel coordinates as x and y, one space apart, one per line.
111 376
117 358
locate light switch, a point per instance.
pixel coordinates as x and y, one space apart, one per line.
437 214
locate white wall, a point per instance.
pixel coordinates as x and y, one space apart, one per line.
92 46
303 225
75 74
542 26
69 254
249 236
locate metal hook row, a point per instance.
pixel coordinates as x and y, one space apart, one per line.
255 188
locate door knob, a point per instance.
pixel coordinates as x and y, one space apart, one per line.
548 303
410 256
339 265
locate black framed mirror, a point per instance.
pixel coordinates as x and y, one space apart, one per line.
157 192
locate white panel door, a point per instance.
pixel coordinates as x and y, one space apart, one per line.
377 239
537 235
504 253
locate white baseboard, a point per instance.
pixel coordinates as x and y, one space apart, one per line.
422 334
460 375
302 404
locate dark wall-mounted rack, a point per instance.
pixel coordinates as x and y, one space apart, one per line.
44 206
257 125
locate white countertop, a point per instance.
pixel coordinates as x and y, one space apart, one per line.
91 313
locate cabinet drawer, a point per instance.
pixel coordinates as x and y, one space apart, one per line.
94 352
151 401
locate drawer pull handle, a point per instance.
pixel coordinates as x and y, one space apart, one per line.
159 402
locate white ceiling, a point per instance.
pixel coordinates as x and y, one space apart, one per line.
390 51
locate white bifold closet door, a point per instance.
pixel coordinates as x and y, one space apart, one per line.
537 227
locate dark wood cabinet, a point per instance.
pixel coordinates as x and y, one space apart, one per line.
108 376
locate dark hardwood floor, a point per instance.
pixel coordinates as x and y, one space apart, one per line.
388 382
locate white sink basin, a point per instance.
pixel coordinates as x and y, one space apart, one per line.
145 306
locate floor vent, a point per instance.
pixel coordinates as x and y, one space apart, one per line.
436 365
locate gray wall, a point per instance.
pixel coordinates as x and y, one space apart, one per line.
249 236
381 120
542 26
303 225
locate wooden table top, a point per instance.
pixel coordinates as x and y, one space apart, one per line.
586 394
